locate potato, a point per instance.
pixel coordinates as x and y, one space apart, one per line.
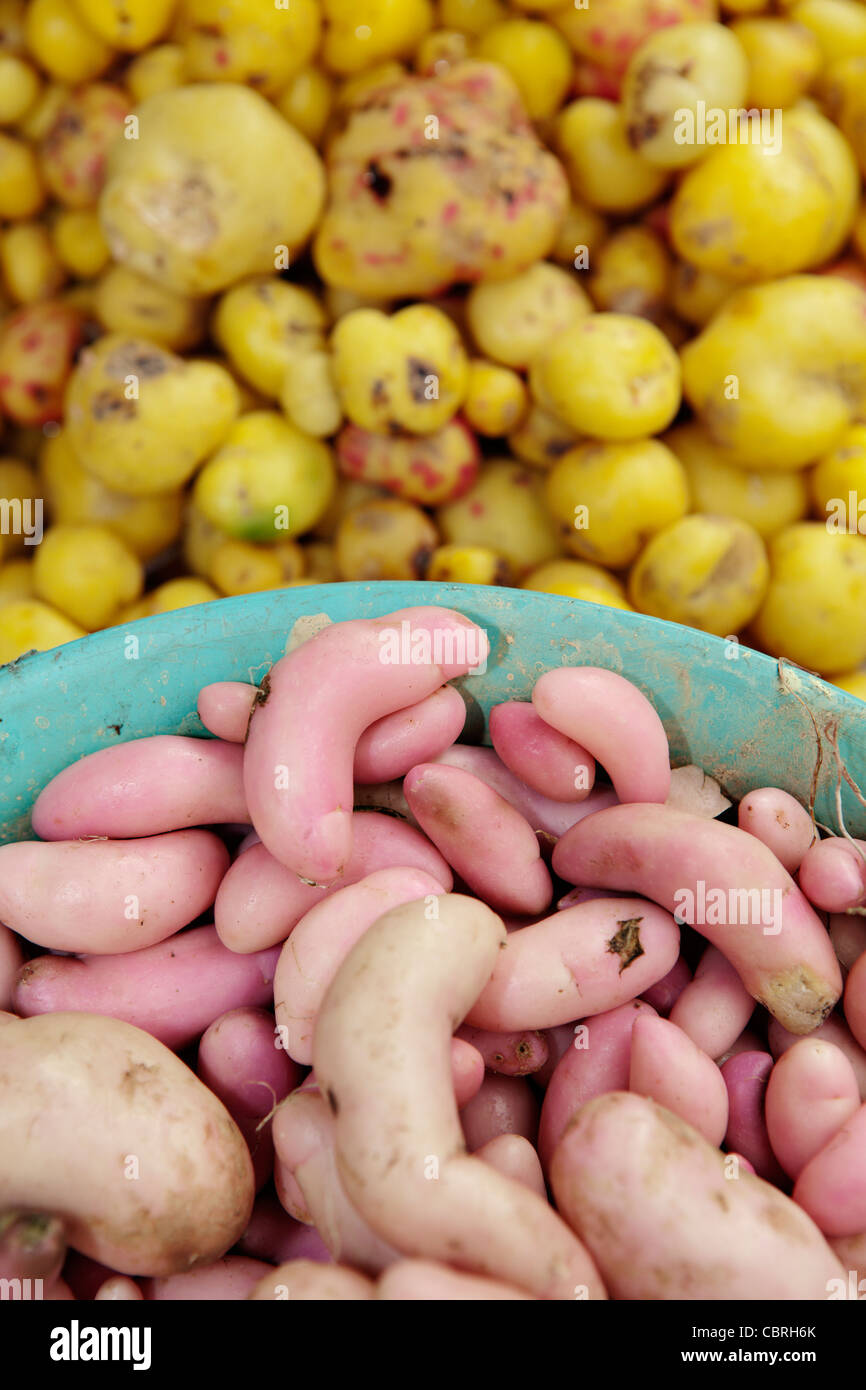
89 1103
196 211
710 572
37 346
73 152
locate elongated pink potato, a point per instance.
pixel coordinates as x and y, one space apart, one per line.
855 1001
669 1068
502 1105
583 961
103 1125
598 1060
467 1070
542 757
833 1030
811 1093
484 839
559 1040
614 721
385 751
107 896
11 961
715 1008
520 1053
833 874
626 1165
852 1252
542 812
428 1281
299 753
324 937
119 1289
173 990
848 935
259 900
276 1237
832 1185
409 982
311 1188
780 822
232 1277
664 994
389 747
238 1061
144 787
696 867
224 707
514 1156
746 1075
301 1281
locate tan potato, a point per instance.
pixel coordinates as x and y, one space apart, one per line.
102 1125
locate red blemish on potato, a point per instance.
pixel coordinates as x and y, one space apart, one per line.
430 477
476 508
69 178
466 476
450 211
497 252
401 113
221 57
31 342
382 258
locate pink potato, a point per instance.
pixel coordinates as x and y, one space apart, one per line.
238 1061
833 874
305 1280
11 961
652 1200
144 787
224 707
780 822
544 814
484 839
513 1155
392 745
725 883
855 1000
232 1277
467 1070
811 1093
559 1040
299 753
275 1237
324 937
172 991
260 901
520 1053
669 1068
599 1060
848 935
664 994
715 1007
546 760
119 1289
746 1075
409 982
108 896
832 1185
583 961
427 1281
32 1245
310 1185
614 721
852 1252
502 1105
832 1030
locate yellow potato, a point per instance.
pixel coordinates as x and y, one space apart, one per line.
309 394
781 199
674 72
577 579
542 438
238 41
242 567
503 511
611 376
87 573
784 59
141 419
813 611
307 102
129 303
155 70
386 538
359 33
193 201
496 398
264 324
536 56
766 500
838 483
512 320
267 481
467 564
27 625
839 27
603 168
609 498
751 377
20 508
29 263
61 43
695 294
429 469
131 26
709 572
630 274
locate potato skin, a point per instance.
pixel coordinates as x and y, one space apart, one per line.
81 1096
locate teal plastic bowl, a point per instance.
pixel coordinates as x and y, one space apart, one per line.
745 718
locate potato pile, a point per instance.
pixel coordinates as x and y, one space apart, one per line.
554 295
